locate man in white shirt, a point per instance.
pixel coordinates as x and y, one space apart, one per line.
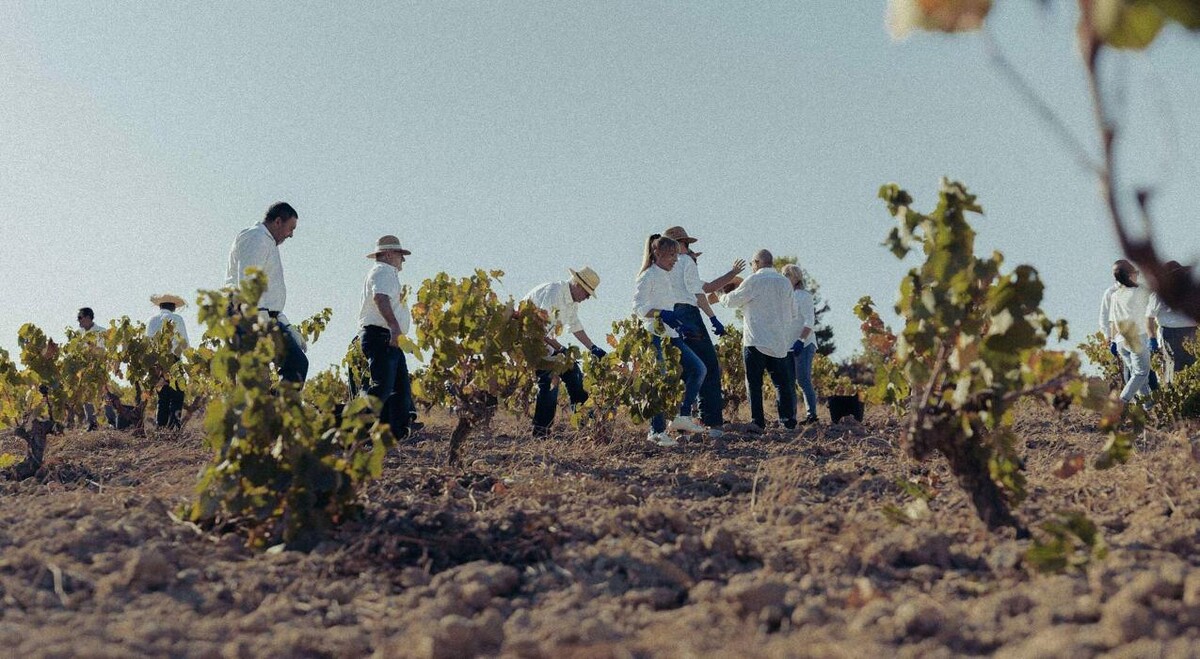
691 298
87 322
769 312
560 301
382 319
258 247
1174 327
170 396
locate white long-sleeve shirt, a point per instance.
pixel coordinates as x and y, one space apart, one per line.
1166 316
806 316
685 280
155 325
769 311
555 299
1105 313
654 290
256 247
1127 310
383 279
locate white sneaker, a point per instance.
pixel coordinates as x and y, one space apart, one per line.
686 424
662 439
716 433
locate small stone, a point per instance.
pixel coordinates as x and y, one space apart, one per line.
751 598
918 619
148 569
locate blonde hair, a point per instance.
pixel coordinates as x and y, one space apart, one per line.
793 273
657 244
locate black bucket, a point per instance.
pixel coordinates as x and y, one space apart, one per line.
844 406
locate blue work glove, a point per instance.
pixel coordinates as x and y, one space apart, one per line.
670 319
1154 344
597 351
797 347
718 328
1112 347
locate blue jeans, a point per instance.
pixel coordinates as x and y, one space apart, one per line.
693 376
547 396
1137 365
780 369
697 338
803 361
390 381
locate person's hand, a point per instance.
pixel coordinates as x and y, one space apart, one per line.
718 328
597 351
738 266
1112 347
671 320
797 347
1154 347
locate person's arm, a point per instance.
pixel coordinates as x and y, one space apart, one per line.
720 282
642 290
809 316
384 304
183 335
738 297
1151 327
1105 316
585 339
702 302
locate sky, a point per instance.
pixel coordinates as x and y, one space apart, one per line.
137 139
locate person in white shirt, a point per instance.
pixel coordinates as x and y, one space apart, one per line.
654 300
1127 317
805 347
769 312
1106 326
560 301
170 395
690 300
1174 327
258 247
382 319
87 322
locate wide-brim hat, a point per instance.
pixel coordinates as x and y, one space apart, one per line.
679 235
388 244
167 298
587 279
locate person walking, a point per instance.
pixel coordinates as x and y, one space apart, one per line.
382 319
170 395
258 247
690 300
805 347
654 299
560 301
768 307
1174 328
1127 317
86 318
1106 326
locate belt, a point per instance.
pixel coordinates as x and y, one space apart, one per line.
273 314
376 328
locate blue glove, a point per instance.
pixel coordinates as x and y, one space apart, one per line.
597 351
797 347
1154 344
718 328
1112 347
671 320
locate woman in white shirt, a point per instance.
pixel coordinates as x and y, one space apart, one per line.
1127 313
654 300
805 347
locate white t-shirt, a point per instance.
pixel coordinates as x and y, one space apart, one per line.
653 290
555 299
769 312
1166 316
383 279
685 280
256 247
155 325
1127 309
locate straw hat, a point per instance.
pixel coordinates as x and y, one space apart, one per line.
388 244
586 278
679 235
167 298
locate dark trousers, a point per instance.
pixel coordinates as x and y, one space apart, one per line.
390 381
293 367
170 407
712 401
1177 357
782 377
547 396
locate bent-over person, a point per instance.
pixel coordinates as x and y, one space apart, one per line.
560 301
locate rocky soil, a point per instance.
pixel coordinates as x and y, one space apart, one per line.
777 545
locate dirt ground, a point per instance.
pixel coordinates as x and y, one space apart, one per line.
777 545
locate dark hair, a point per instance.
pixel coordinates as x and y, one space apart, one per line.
169 306
280 210
87 312
1123 275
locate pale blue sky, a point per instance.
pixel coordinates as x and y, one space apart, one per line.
136 139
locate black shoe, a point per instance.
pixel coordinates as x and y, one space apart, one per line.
541 431
811 419
415 426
